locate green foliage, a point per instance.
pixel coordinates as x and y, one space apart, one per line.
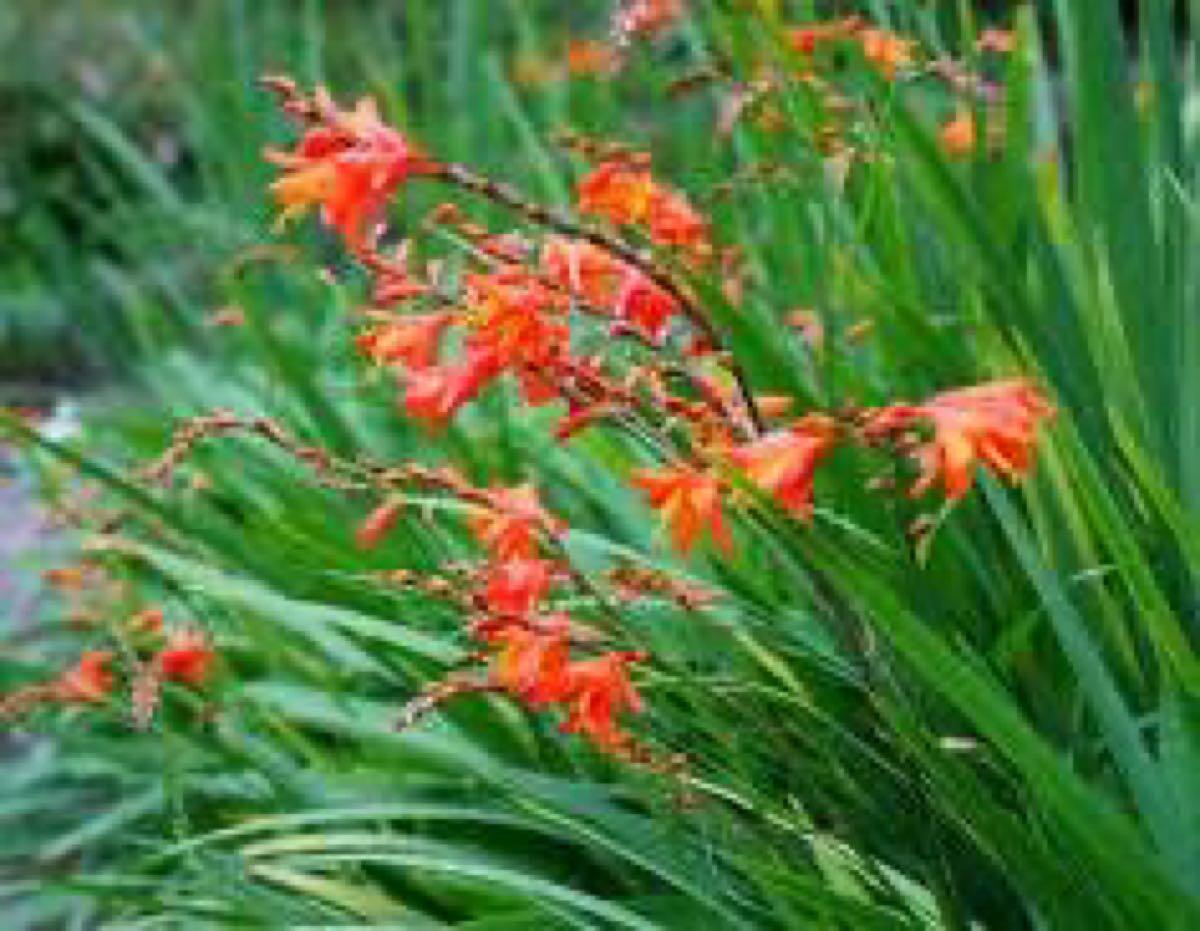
999 728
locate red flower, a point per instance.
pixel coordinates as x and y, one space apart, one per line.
435 394
783 463
508 527
627 194
644 305
516 317
586 271
617 191
674 222
995 422
517 586
89 681
598 690
350 167
411 341
187 657
689 501
533 663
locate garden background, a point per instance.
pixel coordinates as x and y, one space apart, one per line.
902 712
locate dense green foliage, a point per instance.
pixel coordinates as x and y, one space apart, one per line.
1000 728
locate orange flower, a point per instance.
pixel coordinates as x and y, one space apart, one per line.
349 167
411 341
887 51
378 523
517 586
617 191
508 526
644 305
435 394
783 463
958 137
89 681
598 690
627 194
645 17
187 657
995 422
674 222
584 270
689 501
533 663
516 317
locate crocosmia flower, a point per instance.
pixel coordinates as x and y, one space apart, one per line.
89 681
784 462
509 525
533 663
349 167
410 341
625 193
516 586
187 657
994 423
435 394
598 690
689 501
644 306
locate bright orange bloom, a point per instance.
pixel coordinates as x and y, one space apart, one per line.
435 394
598 690
187 657
618 191
350 167
508 527
410 341
378 523
689 501
584 270
783 463
674 222
887 51
959 137
533 663
995 423
644 305
517 317
89 681
646 17
624 193
517 586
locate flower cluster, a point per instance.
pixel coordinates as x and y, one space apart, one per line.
532 651
182 655
519 309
